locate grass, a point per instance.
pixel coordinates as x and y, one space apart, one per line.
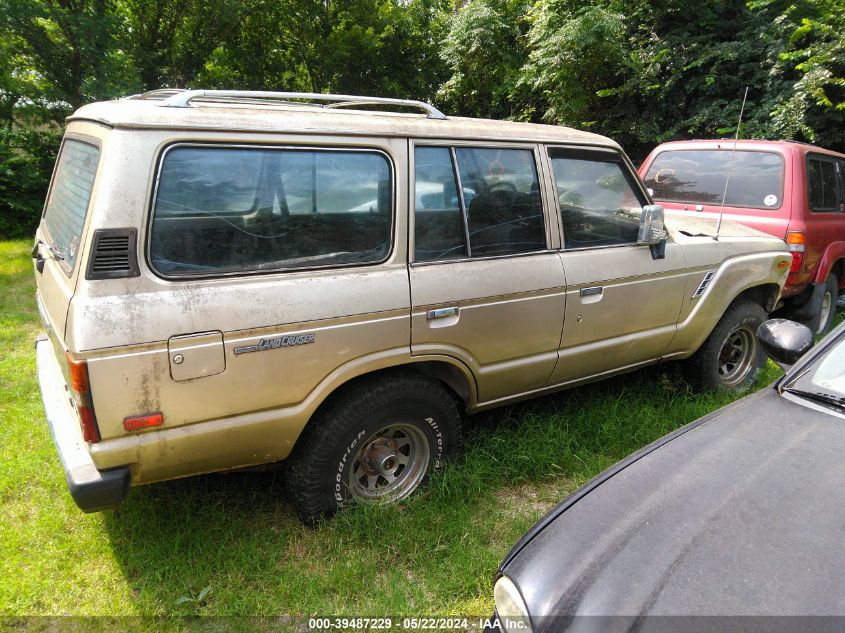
229 544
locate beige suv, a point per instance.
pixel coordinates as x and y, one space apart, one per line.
232 278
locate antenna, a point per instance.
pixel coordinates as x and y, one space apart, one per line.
731 165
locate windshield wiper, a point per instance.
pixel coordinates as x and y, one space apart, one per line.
820 396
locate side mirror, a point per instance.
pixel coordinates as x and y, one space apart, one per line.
652 230
784 341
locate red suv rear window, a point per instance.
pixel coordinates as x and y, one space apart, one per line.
698 176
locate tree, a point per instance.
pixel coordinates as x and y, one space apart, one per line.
810 66
578 55
66 43
170 41
484 51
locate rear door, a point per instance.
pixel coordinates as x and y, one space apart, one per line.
622 305
60 234
824 221
487 285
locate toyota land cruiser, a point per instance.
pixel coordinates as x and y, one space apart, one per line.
229 279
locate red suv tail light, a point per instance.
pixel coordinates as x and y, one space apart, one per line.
81 390
796 243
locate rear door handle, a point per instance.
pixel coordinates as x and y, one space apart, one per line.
441 313
589 292
36 255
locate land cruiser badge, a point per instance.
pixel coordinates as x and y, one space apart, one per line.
274 343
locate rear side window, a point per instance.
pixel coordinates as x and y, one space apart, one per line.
699 176
476 202
599 205
239 209
823 192
69 197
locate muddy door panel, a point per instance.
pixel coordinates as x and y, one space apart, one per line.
622 308
502 318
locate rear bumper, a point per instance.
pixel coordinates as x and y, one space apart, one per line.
91 489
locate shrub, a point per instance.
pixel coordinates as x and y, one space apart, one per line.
26 164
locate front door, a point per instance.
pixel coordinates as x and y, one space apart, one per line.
622 306
487 286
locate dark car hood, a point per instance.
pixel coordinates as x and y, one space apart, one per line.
741 515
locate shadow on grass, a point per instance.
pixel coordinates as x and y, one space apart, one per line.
230 544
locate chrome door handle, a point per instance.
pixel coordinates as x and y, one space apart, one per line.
589 292
440 313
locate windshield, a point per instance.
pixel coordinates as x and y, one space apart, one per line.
824 379
698 176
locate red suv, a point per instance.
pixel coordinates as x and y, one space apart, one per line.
793 191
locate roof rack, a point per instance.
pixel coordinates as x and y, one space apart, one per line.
156 95
182 99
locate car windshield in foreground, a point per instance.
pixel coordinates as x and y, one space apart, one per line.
824 379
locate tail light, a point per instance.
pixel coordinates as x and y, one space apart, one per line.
81 389
796 244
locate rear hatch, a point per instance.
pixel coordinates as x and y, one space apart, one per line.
60 236
694 180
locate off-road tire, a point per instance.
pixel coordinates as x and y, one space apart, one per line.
318 469
702 369
831 292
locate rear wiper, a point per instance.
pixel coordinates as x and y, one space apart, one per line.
54 250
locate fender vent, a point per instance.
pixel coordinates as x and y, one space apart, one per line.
113 254
708 277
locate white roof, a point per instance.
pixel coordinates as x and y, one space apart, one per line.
295 118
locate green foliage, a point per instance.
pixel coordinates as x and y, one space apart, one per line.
56 55
650 71
26 163
811 67
578 56
69 47
484 51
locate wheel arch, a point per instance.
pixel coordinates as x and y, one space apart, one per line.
832 261
766 295
453 375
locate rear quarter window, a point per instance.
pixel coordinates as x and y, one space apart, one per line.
69 198
699 177
223 210
824 192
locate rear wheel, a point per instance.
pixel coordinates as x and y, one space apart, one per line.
730 357
821 323
375 443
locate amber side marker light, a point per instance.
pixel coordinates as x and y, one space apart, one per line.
81 390
143 421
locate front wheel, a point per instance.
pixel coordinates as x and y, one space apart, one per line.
375 443
730 357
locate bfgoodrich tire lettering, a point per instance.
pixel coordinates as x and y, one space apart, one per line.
731 356
376 442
